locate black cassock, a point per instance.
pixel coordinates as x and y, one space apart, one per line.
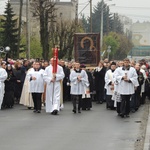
87 102
99 83
18 85
8 100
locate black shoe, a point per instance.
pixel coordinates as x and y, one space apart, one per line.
74 111
52 113
122 116
101 102
55 112
38 111
127 116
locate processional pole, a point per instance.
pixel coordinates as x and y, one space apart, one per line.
55 63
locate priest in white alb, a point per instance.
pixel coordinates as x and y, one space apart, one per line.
3 77
53 88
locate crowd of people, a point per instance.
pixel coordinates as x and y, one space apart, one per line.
122 85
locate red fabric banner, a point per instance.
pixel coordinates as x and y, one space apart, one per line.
55 59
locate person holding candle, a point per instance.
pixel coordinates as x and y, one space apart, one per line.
36 87
53 75
126 77
79 80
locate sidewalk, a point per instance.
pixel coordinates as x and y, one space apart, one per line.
147 136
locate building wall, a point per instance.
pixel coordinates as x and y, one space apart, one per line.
127 24
65 11
141 34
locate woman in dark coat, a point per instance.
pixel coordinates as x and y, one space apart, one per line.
8 100
19 83
99 75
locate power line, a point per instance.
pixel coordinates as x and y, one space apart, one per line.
83 3
83 9
132 7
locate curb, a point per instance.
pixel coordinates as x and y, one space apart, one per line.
147 135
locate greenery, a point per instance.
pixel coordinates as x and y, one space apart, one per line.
111 22
112 30
44 11
9 31
1 29
35 48
61 33
63 36
120 45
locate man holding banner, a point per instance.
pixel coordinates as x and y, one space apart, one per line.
53 76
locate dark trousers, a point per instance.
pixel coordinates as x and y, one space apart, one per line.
133 103
109 102
66 92
100 96
118 107
37 100
76 99
143 98
125 104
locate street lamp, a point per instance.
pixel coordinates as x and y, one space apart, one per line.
5 50
101 26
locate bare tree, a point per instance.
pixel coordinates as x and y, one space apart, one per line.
64 36
45 11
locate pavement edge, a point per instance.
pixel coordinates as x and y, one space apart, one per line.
147 135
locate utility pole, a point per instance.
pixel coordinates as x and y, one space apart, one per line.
101 27
76 14
91 16
28 29
20 24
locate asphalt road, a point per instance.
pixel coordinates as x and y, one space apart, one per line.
98 129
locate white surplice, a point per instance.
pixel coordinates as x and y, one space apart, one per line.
53 89
78 88
36 86
109 78
3 77
116 95
126 88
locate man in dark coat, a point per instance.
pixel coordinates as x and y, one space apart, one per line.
99 74
66 82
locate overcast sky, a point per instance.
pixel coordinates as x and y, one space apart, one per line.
135 9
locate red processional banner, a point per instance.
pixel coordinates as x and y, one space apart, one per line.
55 60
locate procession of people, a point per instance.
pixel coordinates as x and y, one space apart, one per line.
120 86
